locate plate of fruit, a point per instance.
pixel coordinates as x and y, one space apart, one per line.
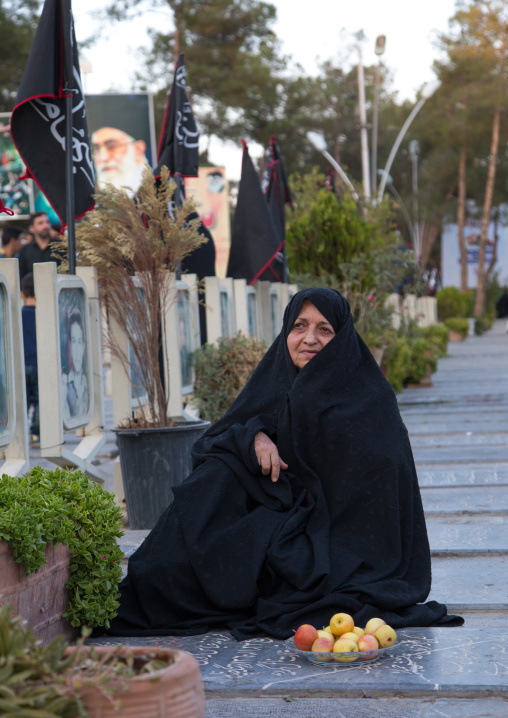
342 643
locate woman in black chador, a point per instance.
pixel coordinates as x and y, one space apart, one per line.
303 501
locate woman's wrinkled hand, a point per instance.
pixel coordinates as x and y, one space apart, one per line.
268 456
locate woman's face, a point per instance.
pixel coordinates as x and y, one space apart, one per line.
77 347
309 334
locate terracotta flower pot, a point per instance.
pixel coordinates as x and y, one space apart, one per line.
41 597
173 692
455 336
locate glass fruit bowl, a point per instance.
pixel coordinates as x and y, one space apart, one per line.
355 658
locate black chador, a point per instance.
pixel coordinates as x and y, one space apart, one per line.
341 530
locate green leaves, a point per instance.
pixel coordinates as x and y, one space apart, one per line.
66 507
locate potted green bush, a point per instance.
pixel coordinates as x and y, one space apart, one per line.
39 681
458 328
137 247
222 370
59 555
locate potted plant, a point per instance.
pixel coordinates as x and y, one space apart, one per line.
59 555
458 328
222 370
99 682
137 246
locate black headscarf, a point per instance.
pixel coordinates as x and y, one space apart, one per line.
341 530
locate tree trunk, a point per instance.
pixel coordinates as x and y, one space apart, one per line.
481 288
431 230
461 214
494 251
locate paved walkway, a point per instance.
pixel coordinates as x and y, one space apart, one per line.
459 434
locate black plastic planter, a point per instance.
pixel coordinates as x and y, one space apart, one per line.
153 461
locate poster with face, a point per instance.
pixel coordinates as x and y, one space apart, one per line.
4 384
16 194
122 136
211 192
74 357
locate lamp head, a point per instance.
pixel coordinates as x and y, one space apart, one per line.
429 89
317 141
380 44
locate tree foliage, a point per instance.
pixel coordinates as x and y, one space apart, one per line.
18 22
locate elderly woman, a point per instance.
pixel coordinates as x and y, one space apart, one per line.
303 501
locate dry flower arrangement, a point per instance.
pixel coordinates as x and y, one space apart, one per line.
137 246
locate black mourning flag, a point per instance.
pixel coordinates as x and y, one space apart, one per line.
255 242
38 119
276 188
179 140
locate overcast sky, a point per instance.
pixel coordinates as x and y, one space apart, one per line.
309 32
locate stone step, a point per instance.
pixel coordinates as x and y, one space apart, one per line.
465 500
480 474
426 662
291 706
471 535
470 583
460 455
460 440
452 426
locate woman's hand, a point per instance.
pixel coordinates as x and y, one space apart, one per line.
268 456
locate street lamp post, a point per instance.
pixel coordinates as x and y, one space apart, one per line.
363 126
427 91
414 150
393 190
379 50
319 143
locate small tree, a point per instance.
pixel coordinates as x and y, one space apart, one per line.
136 245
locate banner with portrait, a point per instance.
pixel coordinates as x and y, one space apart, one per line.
211 192
450 254
122 137
7 404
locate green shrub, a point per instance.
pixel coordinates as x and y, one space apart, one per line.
66 507
422 355
459 325
481 325
398 363
437 334
453 303
222 371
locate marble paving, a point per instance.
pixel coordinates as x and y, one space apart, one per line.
462 439
454 662
478 474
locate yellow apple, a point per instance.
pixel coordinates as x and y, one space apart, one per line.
386 636
372 625
359 631
327 628
341 623
325 634
351 635
347 650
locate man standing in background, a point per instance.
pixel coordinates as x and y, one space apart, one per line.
39 250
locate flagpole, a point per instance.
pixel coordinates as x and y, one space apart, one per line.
69 163
69 186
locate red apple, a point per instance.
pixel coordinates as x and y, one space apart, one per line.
305 637
322 645
368 643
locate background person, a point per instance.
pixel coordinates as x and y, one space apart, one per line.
39 250
12 241
30 349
